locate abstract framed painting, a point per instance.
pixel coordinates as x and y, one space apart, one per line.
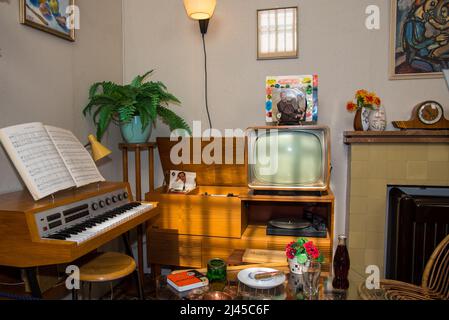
419 39
48 15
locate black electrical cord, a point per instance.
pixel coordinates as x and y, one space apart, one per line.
205 82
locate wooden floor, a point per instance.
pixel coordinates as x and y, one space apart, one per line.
125 290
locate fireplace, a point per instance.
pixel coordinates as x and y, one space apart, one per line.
417 221
378 161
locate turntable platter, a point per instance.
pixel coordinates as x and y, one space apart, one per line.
291 224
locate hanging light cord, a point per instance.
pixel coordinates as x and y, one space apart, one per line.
205 82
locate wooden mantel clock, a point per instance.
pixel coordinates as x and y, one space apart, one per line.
426 115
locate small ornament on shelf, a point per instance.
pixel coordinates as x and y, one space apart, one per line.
365 103
427 115
378 119
300 252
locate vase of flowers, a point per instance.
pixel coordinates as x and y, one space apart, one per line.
365 103
301 251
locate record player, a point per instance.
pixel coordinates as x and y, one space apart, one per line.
310 226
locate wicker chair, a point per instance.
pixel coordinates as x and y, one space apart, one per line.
435 281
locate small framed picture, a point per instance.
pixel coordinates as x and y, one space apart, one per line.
291 100
181 181
51 16
277 33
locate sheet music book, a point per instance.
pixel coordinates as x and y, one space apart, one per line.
48 159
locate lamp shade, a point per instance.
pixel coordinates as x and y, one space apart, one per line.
200 9
99 151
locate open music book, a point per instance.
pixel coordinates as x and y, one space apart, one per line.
48 159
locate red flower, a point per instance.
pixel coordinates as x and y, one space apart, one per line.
369 99
290 251
311 250
377 101
351 106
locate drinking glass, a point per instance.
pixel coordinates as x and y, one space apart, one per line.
311 276
216 273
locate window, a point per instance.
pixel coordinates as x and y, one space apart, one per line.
277 33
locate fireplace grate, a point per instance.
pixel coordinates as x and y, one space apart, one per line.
416 225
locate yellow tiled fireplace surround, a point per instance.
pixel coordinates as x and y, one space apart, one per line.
374 166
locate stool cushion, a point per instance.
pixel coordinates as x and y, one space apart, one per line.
107 266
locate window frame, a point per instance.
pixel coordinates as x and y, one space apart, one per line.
277 55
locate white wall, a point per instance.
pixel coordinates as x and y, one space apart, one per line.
45 78
334 43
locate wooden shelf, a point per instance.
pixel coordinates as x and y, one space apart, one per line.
406 136
255 232
258 234
326 197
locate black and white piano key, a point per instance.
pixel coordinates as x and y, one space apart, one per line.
93 227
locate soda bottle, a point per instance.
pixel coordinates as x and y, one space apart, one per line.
341 265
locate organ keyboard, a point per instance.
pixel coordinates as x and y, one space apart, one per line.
96 224
60 231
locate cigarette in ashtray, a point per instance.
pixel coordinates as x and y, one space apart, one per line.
268 275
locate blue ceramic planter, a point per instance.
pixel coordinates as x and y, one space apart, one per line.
132 131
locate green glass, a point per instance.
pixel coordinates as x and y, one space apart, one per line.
216 273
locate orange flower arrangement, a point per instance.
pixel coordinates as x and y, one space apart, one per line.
364 99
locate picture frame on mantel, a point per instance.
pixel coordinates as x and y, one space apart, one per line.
419 39
49 16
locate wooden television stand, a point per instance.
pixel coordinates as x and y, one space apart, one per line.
194 228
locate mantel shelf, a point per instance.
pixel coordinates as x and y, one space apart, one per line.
408 136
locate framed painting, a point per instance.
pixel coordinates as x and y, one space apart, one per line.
48 15
419 38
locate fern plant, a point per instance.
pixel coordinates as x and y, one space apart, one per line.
110 102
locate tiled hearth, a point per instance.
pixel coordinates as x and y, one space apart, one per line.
376 163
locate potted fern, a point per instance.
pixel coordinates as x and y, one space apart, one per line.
134 107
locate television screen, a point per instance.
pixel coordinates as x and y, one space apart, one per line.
292 158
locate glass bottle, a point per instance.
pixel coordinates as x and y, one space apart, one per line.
341 265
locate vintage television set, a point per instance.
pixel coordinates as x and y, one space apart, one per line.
283 160
291 165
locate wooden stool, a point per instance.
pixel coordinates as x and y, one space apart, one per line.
108 266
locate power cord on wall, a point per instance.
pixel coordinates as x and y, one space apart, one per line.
205 82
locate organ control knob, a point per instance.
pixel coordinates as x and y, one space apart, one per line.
108 201
125 195
94 206
102 204
120 197
114 199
